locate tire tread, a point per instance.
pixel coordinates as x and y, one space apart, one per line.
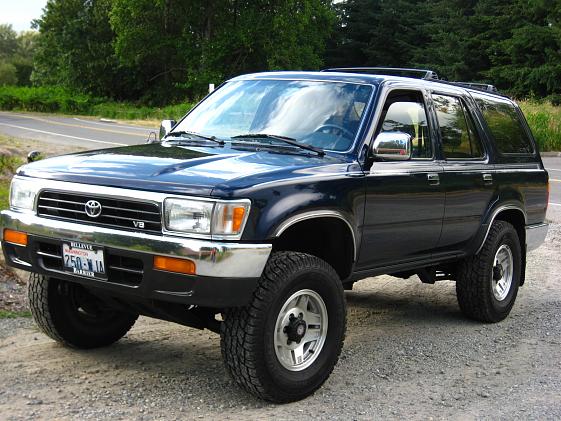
239 333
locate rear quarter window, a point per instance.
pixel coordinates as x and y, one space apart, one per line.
503 120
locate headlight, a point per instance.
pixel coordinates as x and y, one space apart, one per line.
22 194
198 217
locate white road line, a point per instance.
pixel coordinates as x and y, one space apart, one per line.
552 169
554 204
124 126
62 135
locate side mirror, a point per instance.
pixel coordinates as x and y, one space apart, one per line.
34 156
392 146
165 127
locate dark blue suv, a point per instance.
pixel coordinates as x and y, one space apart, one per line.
274 194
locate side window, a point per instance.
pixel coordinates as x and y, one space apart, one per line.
504 122
404 111
457 129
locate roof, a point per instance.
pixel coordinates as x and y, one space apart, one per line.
348 75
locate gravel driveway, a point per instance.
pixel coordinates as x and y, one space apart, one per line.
409 353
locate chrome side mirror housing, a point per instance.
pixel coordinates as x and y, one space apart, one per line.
392 146
165 127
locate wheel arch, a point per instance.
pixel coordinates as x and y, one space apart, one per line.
324 234
512 213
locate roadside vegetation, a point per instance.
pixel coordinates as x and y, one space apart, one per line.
7 314
10 159
60 100
545 121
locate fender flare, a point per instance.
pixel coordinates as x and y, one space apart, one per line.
294 219
496 212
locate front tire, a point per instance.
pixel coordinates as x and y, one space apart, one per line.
69 314
488 282
284 344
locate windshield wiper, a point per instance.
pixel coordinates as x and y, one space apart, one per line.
194 134
285 139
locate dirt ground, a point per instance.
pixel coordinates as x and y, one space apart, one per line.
409 353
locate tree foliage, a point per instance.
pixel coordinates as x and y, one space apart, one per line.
16 56
160 51
75 49
515 44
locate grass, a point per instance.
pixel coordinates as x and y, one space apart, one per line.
10 160
545 121
8 314
47 99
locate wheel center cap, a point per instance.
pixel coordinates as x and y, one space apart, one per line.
296 329
498 272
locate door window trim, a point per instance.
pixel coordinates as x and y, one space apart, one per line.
385 92
467 114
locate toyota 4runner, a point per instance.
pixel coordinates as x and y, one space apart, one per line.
269 198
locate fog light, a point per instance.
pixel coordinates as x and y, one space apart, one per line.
173 264
15 237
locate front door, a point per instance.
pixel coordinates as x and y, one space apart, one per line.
404 199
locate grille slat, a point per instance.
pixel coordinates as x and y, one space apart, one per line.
117 213
61 209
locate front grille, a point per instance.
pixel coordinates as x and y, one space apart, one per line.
118 213
121 269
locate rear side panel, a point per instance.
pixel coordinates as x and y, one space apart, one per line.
518 173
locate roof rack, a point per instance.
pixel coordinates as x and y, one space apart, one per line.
479 86
416 73
391 71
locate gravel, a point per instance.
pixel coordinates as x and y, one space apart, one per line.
409 353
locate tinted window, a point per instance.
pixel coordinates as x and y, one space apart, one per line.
457 130
405 112
503 121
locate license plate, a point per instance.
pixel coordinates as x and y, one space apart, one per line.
83 259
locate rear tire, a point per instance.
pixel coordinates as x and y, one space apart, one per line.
283 345
487 283
69 314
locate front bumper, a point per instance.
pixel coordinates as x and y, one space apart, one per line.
226 273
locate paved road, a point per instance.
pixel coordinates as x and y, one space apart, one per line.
71 130
96 134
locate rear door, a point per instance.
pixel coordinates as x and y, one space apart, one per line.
468 178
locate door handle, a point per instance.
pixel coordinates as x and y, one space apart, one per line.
488 178
434 179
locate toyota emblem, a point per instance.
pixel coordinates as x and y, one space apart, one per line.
93 208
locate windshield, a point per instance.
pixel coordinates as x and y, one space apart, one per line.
321 114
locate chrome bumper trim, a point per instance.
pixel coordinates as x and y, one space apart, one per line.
535 235
212 258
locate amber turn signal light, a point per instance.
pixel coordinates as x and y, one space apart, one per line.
15 237
173 264
237 218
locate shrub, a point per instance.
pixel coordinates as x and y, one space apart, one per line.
8 74
59 100
545 121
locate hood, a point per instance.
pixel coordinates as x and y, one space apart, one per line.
177 169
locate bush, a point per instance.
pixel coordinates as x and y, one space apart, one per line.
545 121
59 100
45 99
8 74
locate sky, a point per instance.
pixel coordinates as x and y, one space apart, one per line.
20 13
